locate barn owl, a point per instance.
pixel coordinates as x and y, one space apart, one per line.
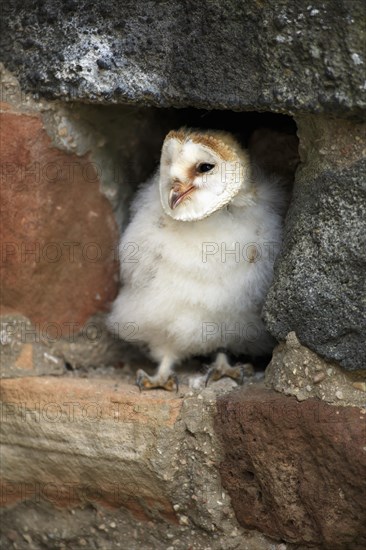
197 257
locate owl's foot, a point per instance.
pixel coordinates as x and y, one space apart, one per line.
146 382
221 369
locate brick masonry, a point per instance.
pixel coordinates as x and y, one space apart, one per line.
58 231
206 459
295 470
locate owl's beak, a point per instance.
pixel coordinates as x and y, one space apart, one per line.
178 193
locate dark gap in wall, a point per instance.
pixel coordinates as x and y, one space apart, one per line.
244 126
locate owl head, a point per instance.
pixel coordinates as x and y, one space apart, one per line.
200 173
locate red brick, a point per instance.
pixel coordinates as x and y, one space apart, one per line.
295 471
50 199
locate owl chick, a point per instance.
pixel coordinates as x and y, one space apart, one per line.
197 257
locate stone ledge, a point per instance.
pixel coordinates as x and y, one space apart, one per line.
293 471
72 442
104 432
298 371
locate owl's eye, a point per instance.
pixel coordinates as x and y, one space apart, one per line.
204 167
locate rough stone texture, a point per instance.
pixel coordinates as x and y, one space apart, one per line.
70 442
296 471
27 360
257 55
319 286
58 232
70 406
33 350
40 527
296 370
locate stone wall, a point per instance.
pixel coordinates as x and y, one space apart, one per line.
88 92
253 55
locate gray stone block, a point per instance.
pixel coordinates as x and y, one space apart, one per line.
319 289
284 56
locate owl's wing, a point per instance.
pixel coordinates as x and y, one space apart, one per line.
139 246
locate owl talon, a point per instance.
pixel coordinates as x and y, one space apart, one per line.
237 373
146 382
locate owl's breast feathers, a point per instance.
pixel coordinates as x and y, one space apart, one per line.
213 271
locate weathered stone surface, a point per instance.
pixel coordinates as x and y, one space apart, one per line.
296 370
283 56
87 411
40 526
70 442
34 350
296 471
25 359
319 286
58 232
